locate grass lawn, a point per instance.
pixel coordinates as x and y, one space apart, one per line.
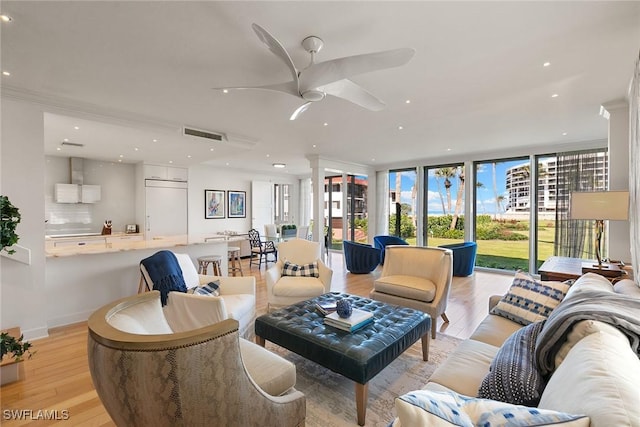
506 254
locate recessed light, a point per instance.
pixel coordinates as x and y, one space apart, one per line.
448 149
546 64
227 164
121 155
314 145
66 140
119 160
6 73
76 127
136 148
210 149
564 134
408 101
58 148
325 124
400 127
170 161
279 165
5 18
373 160
225 90
555 95
268 155
188 156
155 140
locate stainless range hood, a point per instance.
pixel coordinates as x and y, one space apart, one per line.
77 191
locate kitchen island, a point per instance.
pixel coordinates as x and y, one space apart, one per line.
82 278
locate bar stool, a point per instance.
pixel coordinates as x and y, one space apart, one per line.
214 260
234 257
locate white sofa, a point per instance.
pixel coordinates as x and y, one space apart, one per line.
596 374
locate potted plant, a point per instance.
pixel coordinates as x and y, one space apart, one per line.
15 349
289 230
10 220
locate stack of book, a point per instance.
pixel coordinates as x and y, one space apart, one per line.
326 308
357 320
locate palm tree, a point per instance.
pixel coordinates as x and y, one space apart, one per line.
438 176
447 173
500 200
495 189
459 197
480 185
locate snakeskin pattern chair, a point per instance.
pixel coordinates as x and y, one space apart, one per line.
148 375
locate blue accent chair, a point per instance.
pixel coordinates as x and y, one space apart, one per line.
464 257
360 258
381 241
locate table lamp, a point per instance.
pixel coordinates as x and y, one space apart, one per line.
599 206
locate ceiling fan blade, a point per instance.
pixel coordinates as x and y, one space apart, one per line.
331 71
277 49
289 88
348 90
301 109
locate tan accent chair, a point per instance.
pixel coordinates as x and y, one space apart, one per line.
148 375
287 290
416 277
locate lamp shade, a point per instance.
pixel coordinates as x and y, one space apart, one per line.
603 205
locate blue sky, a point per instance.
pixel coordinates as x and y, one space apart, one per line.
486 199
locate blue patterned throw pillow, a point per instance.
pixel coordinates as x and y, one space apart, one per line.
529 300
513 375
210 289
448 408
305 270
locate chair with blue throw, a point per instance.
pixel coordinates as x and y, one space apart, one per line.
360 258
464 257
381 242
181 289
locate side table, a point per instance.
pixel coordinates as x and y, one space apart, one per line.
559 269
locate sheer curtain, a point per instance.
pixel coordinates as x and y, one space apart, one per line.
382 195
576 171
634 173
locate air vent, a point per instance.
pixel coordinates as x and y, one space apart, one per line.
204 134
73 144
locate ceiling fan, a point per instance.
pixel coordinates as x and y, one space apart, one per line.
318 80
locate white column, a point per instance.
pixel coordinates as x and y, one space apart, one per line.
618 240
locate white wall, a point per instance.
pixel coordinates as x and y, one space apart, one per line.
22 300
116 181
209 178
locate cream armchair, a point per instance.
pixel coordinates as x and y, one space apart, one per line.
147 374
287 290
416 277
237 299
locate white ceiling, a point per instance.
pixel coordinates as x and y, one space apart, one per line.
126 73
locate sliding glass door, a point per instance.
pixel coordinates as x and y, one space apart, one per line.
444 195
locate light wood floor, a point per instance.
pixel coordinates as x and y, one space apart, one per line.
57 377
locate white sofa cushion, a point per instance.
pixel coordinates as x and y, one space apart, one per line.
600 378
466 367
590 282
495 330
271 372
289 286
627 287
449 409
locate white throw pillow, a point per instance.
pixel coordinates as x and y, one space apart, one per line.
591 282
450 409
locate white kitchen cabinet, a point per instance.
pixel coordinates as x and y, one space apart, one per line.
125 238
79 242
166 173
90 193
66 193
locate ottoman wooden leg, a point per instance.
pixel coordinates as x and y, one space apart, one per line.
426 339
362 392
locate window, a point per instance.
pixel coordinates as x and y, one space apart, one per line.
444 221
403 198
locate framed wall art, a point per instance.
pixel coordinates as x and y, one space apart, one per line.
214 204
237 204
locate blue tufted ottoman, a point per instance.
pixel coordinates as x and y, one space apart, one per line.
360 355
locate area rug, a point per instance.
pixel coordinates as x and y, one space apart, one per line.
331 397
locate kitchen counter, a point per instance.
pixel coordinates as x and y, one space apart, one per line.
102 244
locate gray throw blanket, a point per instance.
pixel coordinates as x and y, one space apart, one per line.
617 310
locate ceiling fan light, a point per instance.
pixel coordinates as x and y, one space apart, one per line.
279 165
